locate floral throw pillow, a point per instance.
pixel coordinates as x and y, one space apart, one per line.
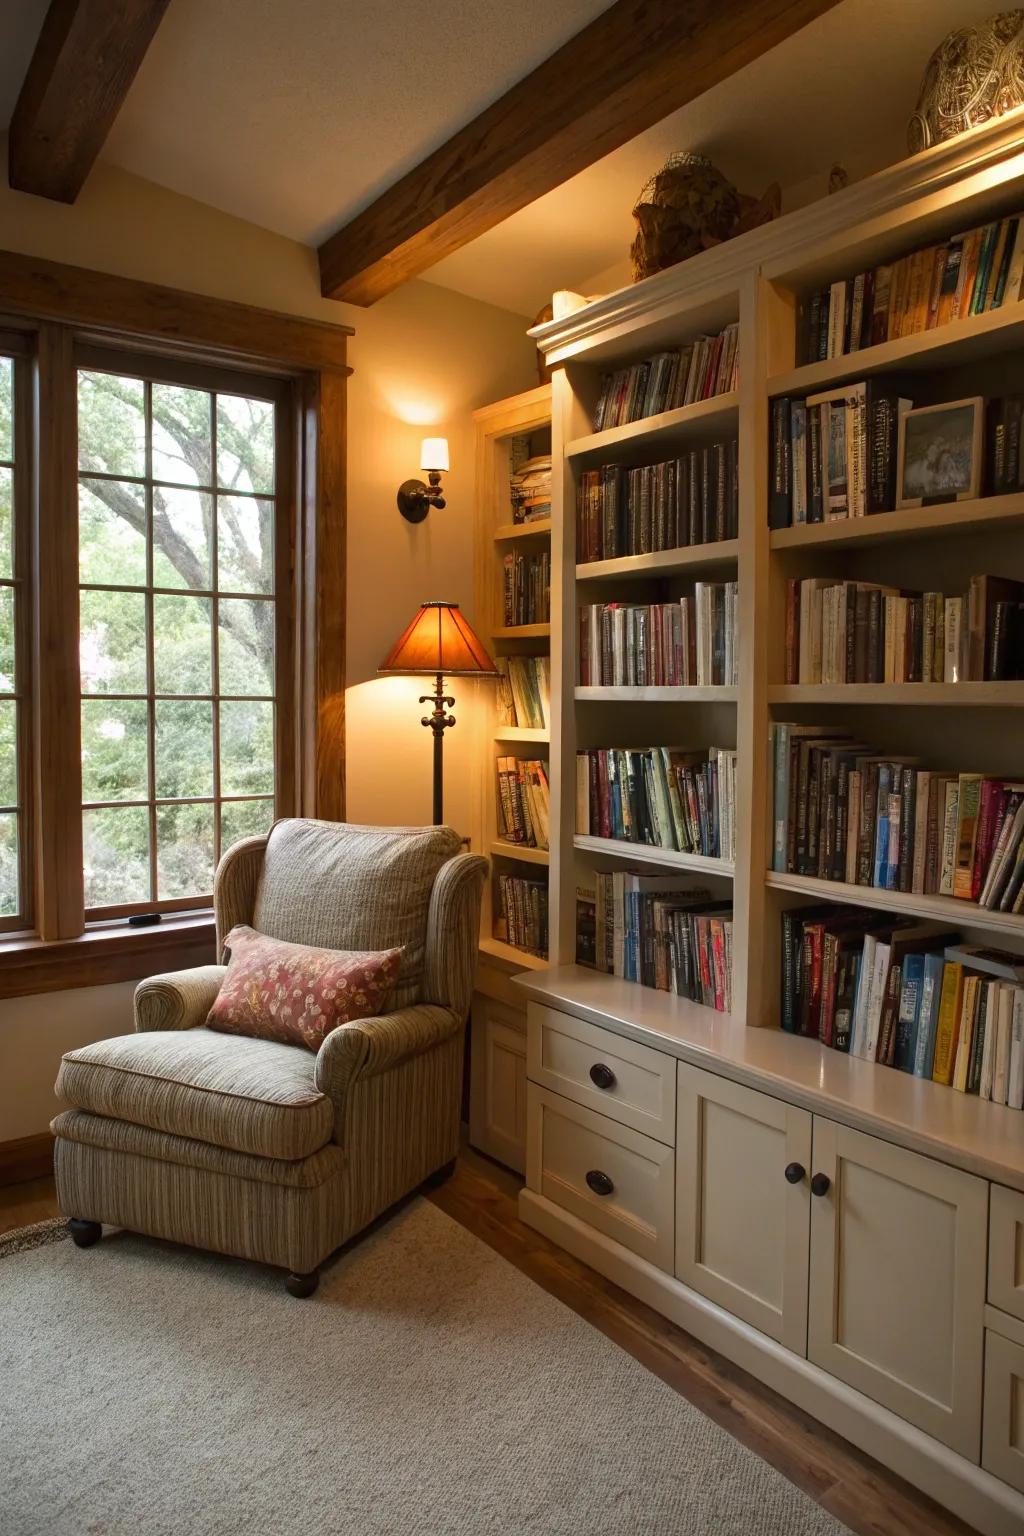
297 994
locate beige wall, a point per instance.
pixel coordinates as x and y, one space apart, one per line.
423 359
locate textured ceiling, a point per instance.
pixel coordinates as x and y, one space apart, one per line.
295 114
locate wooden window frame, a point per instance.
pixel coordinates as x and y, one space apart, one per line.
60 316
13 344
151 370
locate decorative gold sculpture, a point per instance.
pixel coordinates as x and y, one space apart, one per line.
689 206
976 73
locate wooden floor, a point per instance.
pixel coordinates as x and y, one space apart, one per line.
482 1197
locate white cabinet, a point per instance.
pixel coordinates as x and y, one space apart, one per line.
1003 1439
897 1281
617 1077
1006 1251
497 1100
743 1202
611 1177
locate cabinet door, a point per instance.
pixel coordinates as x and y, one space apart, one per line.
741 1223
898 1281
1006 1251
497 1098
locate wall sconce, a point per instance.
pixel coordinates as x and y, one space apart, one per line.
416 499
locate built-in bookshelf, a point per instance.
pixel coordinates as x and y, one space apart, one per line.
513 532
764 283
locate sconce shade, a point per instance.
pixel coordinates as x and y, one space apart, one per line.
434 454
439 640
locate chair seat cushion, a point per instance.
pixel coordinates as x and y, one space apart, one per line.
252 1096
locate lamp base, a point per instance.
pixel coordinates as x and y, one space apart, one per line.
438 722
413 500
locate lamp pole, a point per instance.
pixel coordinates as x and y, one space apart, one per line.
438 720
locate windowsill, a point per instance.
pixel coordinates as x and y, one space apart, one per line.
104 953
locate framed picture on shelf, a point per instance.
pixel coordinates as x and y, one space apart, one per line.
939 453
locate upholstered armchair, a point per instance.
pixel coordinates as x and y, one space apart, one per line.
268 1151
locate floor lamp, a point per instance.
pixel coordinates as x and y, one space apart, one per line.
439 643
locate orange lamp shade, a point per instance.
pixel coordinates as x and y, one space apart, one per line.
439 640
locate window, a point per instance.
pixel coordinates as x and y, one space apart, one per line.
179 628
12 682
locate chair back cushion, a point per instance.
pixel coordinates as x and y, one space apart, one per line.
340 886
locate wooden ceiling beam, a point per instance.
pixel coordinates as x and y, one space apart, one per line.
633 65
85 60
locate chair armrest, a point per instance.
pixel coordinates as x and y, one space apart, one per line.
453 933
179 999
367 1047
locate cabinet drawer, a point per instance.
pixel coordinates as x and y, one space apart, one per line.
607 1175
617 1077
1006 1251
1002 1443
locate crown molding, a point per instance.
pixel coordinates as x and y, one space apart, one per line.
992 155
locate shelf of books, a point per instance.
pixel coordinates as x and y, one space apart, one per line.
786 754
513 557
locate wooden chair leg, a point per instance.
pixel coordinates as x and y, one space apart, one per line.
302 1285
439 1176
84 1233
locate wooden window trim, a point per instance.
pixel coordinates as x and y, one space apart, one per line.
104 953
54 311
216 381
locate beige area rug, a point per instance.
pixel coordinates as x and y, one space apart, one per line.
428 1389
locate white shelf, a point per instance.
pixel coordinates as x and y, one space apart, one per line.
500 849
906 523
693 695
497 949
1009 695
943 909
702 421
664 563
522 632
538 733
1000 330
506 532
666 858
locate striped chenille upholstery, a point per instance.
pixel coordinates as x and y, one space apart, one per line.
250 1095
268 1151
350 887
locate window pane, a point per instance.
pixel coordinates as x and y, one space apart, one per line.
8 752
184 749
9 892
7 673
116 856
184 850
111 424
246 748
6 408
181 644
182 438
112 532
181 537
6 520
246 646
245 544
113 642
114 750
244 818
245 444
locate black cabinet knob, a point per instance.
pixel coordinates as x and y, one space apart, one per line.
795 1173
599 1182
602 1076
821 1184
